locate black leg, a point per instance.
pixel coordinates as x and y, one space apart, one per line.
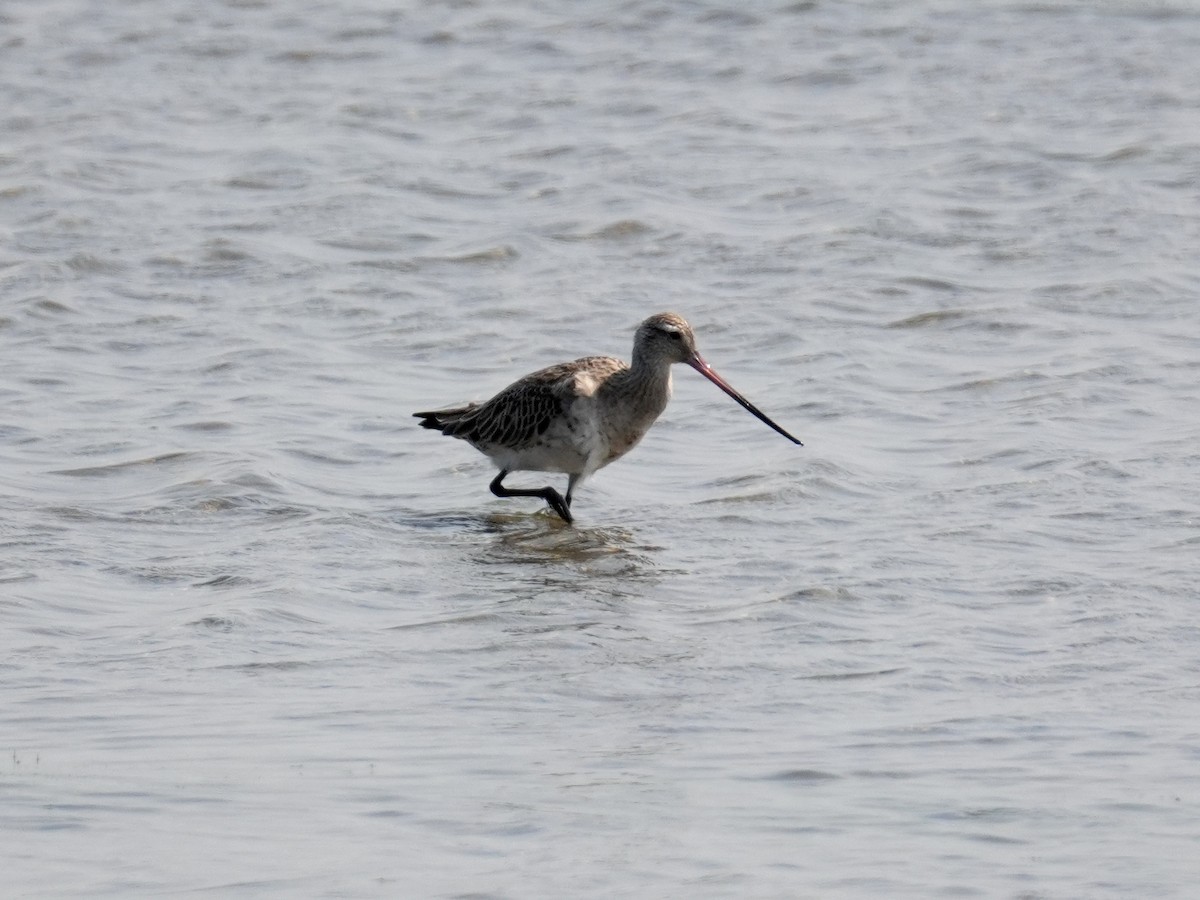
571 482
549 494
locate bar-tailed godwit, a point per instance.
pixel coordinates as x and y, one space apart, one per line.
577 417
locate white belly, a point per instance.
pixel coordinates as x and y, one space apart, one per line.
573 445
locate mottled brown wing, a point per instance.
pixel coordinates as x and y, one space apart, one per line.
521 412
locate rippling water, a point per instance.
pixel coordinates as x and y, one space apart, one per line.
262 636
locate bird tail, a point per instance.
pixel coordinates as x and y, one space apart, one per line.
444 420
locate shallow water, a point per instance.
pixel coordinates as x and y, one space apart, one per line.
265 637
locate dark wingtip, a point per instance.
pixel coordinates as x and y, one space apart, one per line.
430 420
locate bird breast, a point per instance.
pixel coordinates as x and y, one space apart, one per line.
627 417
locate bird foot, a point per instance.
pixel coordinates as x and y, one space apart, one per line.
559 505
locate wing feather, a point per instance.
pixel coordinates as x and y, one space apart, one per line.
524 411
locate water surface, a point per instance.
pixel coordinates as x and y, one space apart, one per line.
265 637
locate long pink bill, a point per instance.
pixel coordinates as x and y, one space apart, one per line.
697 362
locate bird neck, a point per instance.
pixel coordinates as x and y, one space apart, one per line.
647 382
649 365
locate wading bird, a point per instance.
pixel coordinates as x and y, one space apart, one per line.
577 417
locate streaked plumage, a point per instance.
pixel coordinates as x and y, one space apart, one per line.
578 417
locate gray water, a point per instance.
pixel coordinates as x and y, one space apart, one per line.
262 636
